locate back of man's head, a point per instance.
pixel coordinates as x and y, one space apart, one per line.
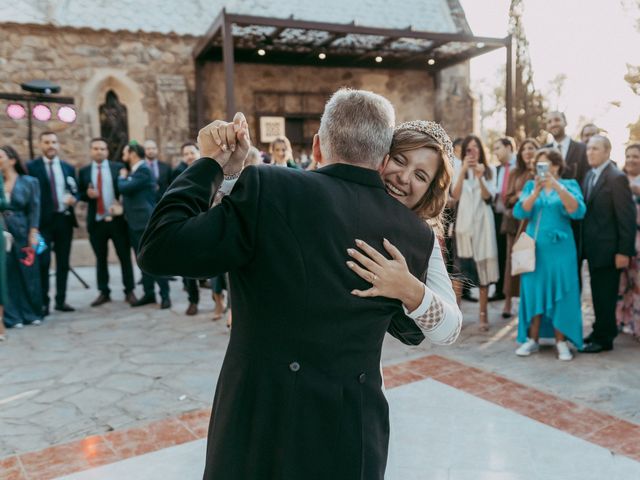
356 128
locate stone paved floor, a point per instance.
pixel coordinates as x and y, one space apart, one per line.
113 367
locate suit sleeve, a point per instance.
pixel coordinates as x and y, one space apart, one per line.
186 238
136 182
625 211
83 185
34 204
582 166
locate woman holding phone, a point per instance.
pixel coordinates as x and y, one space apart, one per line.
476 245
550 295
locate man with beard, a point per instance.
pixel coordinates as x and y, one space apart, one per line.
574 153
58 195
161 171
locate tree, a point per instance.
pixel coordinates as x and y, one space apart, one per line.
529 103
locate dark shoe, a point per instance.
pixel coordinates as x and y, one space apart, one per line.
65 307
166 303
588 338
595 347
130 298
192 310
469 298
102 299
146 300
507 315
496 297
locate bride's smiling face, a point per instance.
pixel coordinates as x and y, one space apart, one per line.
407 175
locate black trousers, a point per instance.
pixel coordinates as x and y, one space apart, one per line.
99 236
604 292
193 290
501 239
58 235
148 280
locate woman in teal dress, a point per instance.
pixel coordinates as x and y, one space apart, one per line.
550 295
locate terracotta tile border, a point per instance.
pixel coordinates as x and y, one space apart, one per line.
605 430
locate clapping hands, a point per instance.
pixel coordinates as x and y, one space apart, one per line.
227 143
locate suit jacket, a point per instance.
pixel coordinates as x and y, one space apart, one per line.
84 179
609 227
37 169
175 173
164 178
300 387
138 192
576 164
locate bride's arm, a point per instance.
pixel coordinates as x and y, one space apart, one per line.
433 306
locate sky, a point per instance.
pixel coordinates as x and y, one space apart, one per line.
589 41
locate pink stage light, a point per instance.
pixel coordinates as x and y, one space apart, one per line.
15 111
67 114
42 113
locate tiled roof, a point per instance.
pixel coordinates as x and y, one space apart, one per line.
195 16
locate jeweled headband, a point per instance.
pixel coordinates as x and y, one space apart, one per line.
431 129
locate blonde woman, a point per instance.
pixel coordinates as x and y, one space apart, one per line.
282 153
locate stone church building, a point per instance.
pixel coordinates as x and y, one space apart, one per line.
151 69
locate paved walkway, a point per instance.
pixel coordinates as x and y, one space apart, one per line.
114 367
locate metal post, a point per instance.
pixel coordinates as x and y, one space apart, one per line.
228 61
200 122
30 124
510 87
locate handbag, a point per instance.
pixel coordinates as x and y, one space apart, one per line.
523 253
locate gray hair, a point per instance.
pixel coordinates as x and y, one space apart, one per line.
606 143
357 128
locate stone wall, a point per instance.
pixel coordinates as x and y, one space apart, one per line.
152 74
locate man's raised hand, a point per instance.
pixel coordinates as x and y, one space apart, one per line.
227 143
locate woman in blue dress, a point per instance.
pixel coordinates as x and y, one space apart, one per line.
23 194
550 295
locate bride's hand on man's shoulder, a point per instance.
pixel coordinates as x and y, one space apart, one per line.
388 277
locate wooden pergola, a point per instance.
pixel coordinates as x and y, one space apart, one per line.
285 41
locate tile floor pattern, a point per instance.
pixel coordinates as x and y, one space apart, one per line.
485 409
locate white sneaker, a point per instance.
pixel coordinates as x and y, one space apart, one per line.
36 322
564 353
19 325
527 348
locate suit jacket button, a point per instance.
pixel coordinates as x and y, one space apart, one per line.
362 378
294 366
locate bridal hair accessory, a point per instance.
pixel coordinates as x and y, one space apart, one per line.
431 129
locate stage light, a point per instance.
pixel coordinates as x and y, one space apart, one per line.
67 114
262 52
42 112
431 61
322 56
378 59
15 111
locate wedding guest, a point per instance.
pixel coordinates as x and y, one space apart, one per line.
24 298
190 154
550 295
573 153
523 172
628 310
504 149
588 131
161 171
608 238
105 221
282 153
4 206
475 238
58 195
137 187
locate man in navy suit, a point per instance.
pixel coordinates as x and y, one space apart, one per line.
138 189
99 188
161 171
58 195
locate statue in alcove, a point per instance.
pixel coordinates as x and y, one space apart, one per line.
114 126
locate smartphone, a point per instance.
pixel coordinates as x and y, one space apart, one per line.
542 168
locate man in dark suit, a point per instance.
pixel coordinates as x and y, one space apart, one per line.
300 385
99 188
161 171
138 189
574 153
608 238
58 195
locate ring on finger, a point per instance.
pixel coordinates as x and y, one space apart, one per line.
374 278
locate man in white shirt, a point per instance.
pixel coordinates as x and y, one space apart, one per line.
573 153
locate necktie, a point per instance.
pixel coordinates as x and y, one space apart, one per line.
590 184
151 165
505 180
100 199
52 185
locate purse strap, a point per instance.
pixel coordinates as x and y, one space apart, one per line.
521 227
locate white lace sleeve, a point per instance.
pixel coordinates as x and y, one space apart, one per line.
438 316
